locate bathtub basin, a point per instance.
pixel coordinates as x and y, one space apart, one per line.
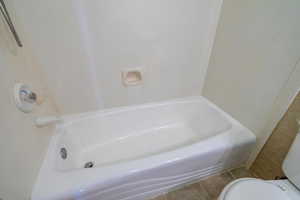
138 152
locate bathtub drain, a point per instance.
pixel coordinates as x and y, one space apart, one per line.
88 165
63 153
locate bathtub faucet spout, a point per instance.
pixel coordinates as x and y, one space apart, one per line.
48 120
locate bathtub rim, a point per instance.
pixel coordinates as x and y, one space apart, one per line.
49 176
73 118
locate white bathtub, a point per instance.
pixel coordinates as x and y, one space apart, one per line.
141 151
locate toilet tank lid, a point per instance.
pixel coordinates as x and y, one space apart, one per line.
252 189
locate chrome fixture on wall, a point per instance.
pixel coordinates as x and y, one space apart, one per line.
9 22
25 98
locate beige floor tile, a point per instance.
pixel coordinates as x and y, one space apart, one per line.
295 106
192 192
263 168
241 173
162 197
214 185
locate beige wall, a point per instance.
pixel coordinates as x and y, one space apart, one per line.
83 46
53 31
22 146
168 40
256 49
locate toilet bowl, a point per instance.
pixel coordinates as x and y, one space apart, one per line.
258 189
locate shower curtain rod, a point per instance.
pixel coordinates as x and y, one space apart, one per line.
8 20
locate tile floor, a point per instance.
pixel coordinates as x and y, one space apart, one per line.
208 189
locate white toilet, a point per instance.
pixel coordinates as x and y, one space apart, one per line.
257 189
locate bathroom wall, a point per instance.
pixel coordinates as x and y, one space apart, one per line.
256 49
268 164
22 146
168 40
54 33
83 46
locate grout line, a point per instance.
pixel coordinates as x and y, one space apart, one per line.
231 174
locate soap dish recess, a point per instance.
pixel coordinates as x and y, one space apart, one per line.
132 77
